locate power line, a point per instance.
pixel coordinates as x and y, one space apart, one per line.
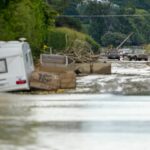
101 16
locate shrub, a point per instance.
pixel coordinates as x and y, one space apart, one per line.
56 39
61 38
94 44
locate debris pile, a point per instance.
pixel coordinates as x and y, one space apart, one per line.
81 52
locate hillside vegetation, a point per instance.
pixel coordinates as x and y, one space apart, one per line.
35 20
41 22
134 16
62 38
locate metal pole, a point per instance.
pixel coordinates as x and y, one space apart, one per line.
50 50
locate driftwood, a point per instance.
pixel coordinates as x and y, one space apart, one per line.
81 52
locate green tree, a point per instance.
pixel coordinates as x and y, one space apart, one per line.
69 22
113 38
140 25
70 9
98 26
62 38
26 18
142 4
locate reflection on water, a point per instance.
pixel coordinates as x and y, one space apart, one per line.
76 122
82 121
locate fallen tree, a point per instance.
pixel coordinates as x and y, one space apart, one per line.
81 52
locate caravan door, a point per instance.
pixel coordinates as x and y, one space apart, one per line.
12 74
3 72
28 60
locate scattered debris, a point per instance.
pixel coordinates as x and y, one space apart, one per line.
81 52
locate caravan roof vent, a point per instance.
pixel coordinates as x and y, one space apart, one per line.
22 39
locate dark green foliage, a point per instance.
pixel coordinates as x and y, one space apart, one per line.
71 9
3 4
61 38
95 46
64 5
26 18
69 22
143 4
59 5
56 39
68 7
99 28
35 19
113 38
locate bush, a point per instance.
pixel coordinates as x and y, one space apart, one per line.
61 38
94 44
113 38
27 19
72 23
56 39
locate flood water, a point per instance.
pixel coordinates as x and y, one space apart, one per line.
87 118
127 78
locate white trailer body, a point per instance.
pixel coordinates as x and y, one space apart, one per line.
16 65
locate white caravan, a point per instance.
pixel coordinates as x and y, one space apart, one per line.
16 65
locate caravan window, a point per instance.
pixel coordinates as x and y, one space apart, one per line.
31 61
3 66
26 57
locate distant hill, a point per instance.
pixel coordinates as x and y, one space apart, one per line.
143 4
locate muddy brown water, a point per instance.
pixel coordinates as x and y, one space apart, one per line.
104 112
76 122
128 78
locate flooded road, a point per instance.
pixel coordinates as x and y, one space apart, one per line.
111 118
127 78
76 122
